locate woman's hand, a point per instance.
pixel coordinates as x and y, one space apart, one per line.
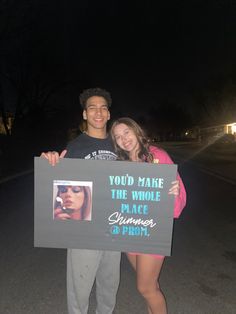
174 190
53 157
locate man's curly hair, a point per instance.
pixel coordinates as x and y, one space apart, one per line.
90 92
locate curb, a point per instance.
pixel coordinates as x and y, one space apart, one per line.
15 176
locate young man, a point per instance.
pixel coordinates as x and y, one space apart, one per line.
84 266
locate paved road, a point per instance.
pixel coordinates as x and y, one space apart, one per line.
216 159
199 278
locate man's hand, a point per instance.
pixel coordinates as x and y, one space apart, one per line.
53 157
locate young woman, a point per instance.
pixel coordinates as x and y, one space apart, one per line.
73 202
131 144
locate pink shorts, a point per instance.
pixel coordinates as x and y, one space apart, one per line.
153 255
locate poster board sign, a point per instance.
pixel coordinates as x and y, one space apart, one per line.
121 206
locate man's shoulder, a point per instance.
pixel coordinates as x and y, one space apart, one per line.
75 148
78 139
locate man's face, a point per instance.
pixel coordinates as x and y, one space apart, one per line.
96 113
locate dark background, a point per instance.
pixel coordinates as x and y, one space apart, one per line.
170 65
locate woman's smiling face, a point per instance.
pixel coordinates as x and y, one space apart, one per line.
125 138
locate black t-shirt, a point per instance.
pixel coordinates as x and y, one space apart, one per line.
87 147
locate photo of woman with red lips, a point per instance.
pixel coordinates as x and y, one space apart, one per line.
73 202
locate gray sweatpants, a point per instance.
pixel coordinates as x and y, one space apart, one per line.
83 267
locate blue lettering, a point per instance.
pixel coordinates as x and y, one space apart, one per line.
135 231
146 196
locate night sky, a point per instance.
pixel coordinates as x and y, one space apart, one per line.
146 54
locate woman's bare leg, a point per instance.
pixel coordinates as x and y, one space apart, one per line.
148 270
132 259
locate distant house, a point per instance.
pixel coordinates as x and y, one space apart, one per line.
217 131
212 133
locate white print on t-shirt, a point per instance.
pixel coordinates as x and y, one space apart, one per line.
101 155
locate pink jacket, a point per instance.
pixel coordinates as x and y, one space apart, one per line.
160 156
